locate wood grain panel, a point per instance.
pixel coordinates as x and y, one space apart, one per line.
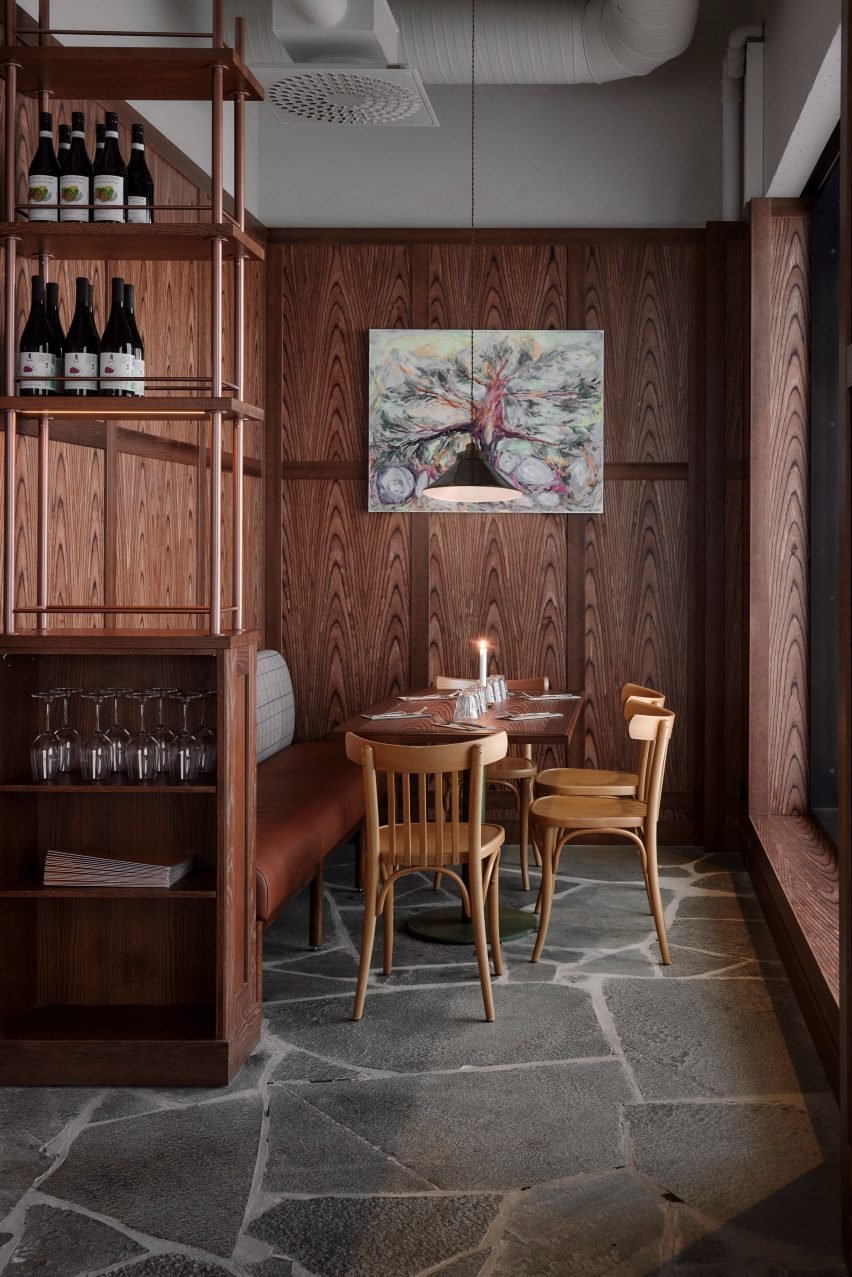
345 602
641 296
331 298
734 764
515 286
736 346
787 511
636 616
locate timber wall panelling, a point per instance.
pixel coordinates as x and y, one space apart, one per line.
368 603
128 503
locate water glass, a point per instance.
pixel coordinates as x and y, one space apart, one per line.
69 738
466 705
184 751
501 688
481 698
45 751
142 750
96 752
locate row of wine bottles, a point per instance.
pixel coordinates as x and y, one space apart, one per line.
70 188
112 364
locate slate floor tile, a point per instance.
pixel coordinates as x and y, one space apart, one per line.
728 905
64 1243
299 1066
29 1118
170 1264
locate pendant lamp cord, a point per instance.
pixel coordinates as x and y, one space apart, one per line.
471 295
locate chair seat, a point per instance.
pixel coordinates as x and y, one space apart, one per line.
493 836
580 782
589 813
512 767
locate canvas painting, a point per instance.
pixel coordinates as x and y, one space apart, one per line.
537 415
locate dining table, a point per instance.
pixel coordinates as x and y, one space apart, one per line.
424 716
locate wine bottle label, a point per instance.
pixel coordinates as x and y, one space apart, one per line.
139 376
40 365
109 192
43 197
82 364
73 191
117 365
139 212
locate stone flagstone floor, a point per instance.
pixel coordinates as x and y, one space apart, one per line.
619 1119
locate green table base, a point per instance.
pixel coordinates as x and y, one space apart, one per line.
445 926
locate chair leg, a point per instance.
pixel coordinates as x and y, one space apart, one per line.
436 882
494 917
315 927
548 852
477 917
524 792
368 937
653 882
388 928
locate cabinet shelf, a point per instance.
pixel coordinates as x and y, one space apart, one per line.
122 241
141 408
198 885
73 783
153 73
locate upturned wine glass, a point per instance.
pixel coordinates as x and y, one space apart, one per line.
161 733
96 751
142 750
184 751
119 736
45 751
68 736
206 738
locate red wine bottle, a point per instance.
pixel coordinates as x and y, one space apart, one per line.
140 183
82 345
138 345
37 350
51 292
43 185
110 180
75 179
117 357
64 132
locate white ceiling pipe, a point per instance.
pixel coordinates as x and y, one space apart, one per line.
545 42
733 70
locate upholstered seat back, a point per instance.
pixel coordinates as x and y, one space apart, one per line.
276 705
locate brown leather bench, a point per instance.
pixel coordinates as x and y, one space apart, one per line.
310 799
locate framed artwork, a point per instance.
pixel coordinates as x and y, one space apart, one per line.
537 415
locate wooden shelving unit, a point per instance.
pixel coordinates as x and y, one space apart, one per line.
129 986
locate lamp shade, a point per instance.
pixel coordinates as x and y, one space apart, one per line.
470 479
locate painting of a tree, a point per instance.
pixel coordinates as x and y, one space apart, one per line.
536 412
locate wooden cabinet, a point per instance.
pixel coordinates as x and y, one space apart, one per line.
128 986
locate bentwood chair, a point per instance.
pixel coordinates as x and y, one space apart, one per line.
515 772
558 819
411 843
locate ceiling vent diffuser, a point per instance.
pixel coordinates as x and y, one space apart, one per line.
354 95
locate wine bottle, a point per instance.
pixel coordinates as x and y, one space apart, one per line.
110 180
82 346
43 185
37 350
75 180
138 345
117 358
52 307
140 183
64 132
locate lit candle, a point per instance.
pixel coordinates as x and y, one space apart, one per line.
483 662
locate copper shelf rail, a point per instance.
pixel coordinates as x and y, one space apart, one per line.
213 610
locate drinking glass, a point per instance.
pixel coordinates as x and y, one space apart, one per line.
501 688
481 698
162 735
467 705
206 738
96 751
492 691
68 736
119 737
45 751
184 751
142 748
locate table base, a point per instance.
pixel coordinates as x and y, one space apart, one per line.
445 926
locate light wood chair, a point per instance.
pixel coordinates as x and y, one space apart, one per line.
559 819
515 772
411 843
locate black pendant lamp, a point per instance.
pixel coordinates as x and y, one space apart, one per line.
472 479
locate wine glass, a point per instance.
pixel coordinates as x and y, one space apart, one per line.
206 738
142 749
184 751
159 731
119 737
46 750
96 752
68 736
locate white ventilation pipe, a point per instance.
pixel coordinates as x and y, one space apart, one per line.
733 70
545 41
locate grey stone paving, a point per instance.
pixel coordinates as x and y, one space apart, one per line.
619 1119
